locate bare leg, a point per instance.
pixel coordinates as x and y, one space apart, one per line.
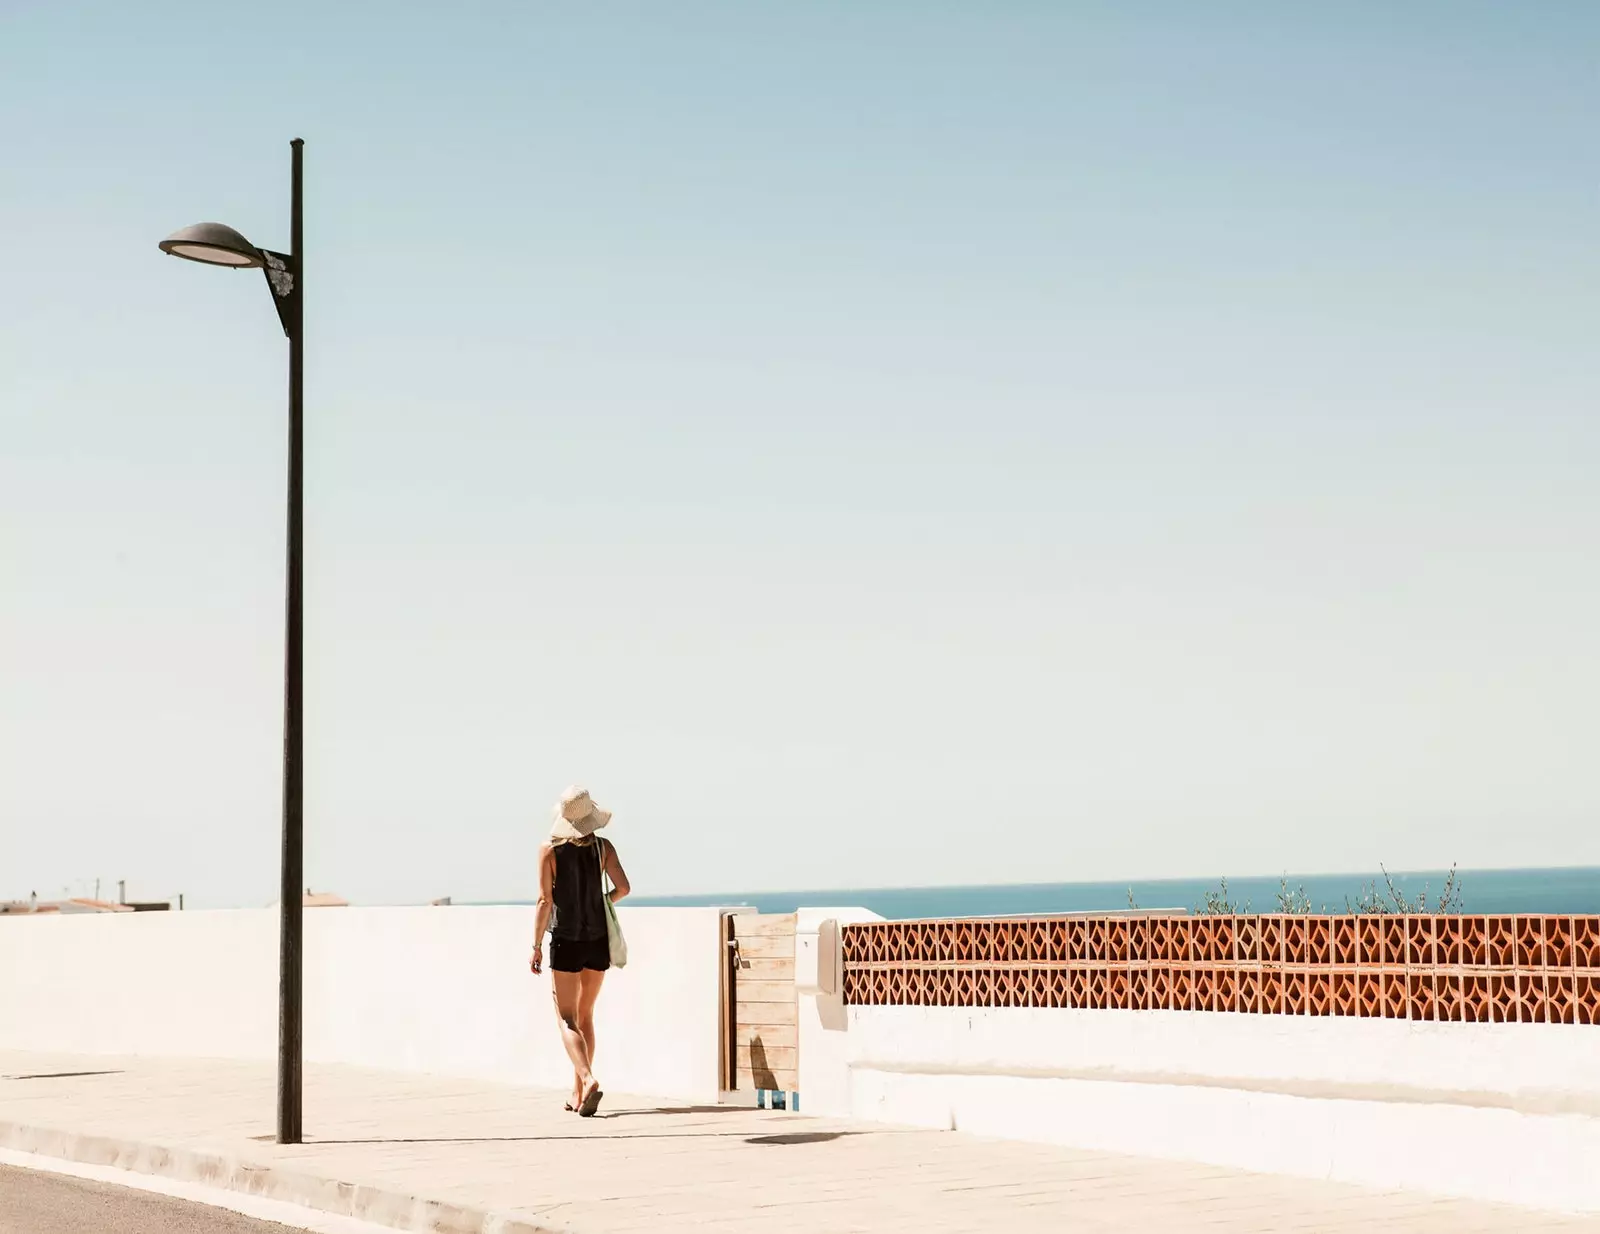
567 991
588 994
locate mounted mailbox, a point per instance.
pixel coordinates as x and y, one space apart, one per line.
816 959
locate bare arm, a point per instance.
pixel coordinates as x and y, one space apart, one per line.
541 917
614 870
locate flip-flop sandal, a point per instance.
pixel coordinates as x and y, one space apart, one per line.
591 1103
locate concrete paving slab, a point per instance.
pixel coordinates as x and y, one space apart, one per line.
431 1153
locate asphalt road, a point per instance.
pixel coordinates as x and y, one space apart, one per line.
34 1203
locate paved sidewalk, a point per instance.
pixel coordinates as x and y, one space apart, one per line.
645 1165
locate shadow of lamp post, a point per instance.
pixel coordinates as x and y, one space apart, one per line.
214 244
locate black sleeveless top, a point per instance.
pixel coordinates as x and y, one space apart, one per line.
580 912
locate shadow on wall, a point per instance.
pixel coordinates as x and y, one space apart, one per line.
760 1068
831 1012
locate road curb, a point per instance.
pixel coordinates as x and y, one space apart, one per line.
272 1181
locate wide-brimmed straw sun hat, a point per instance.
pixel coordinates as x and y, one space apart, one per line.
577 816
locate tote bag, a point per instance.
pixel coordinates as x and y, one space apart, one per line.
619 945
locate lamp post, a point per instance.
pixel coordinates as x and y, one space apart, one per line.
217 245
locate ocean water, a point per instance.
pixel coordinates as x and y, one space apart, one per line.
1565 890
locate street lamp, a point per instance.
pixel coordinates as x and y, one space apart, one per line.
214 244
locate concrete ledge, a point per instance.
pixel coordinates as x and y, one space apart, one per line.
1525 1101
394 1209
1496 1155
1543 1068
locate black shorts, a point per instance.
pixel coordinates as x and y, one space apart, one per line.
570 955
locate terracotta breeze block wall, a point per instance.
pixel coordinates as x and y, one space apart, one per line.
1528 970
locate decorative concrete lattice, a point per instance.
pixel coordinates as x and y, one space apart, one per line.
1526 969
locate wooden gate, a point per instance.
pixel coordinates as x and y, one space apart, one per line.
760 1037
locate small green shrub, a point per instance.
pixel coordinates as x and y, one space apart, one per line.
1392 900
1296 901
1220 902
1388 899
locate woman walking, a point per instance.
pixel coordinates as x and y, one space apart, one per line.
573 866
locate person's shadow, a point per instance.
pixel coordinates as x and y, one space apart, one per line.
761 1071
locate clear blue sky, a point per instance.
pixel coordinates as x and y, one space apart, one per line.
874 443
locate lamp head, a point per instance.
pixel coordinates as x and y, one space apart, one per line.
214 244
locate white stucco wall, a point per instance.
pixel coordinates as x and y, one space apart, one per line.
1535 1068
1507 1112
440 990
824 1021
179 984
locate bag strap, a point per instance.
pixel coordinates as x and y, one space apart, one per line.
600 848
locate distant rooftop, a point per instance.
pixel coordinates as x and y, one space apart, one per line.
81 905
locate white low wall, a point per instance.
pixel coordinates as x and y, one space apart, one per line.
1504 1112
1529 1068
439 990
